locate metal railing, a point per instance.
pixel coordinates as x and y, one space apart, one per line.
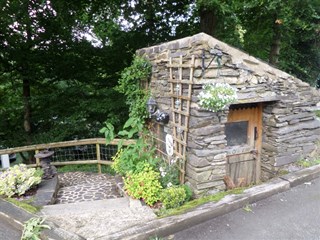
85 151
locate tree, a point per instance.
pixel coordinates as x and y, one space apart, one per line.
48 67
60 60
284 33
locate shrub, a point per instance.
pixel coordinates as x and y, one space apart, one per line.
18 180
144 185
188 191
169 174
133 158
173 197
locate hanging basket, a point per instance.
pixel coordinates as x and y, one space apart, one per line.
217 96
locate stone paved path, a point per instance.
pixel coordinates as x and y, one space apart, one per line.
90 206
83 187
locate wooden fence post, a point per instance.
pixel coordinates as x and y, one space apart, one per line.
37 159
98 157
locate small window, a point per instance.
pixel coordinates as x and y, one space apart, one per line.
237 133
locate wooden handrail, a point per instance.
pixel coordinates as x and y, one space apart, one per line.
64 144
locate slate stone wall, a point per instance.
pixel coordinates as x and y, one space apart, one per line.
290 128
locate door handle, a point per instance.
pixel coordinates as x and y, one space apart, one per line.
256 133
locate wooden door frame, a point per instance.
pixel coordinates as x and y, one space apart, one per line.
255 121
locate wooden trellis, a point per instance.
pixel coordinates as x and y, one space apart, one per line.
181 81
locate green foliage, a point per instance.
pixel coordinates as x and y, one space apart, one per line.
130 84
317 112
197 202
308 162
132 158
173 197
86 168
19 179
169 174
297 26
156 238
32 228
108 132
46 61
188 191
24 204
144 185
49 52
132 127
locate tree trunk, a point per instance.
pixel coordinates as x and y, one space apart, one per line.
27 109
276 42
26 73
208 21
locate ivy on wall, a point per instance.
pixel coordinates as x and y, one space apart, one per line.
130 84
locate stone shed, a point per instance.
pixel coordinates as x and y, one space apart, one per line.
270 126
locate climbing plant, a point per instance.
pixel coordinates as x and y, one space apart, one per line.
131 85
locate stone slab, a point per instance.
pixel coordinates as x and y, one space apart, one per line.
302 176
97 219
46 192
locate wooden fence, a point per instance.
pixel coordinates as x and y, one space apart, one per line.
85 151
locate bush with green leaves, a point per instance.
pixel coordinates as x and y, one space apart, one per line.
32 228
173 197
169 174
188 191
19 179
144 185
132 158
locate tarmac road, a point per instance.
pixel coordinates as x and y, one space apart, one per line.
7 230
291 215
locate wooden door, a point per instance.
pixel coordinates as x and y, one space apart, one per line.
244 134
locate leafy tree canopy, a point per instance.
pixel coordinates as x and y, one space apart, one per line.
60 60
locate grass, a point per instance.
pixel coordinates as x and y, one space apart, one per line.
86 168
308 163
24 204
197 202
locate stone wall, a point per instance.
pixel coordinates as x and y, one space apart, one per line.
206 160
291 134
290 129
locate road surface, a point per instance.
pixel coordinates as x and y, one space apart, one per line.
7 230
292 215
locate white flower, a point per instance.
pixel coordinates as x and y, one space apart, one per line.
215 97
169 184
173 161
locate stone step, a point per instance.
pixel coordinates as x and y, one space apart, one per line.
84 207
96 219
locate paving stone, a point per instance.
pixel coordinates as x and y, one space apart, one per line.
81 187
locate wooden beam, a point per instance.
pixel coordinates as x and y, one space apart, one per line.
64 144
